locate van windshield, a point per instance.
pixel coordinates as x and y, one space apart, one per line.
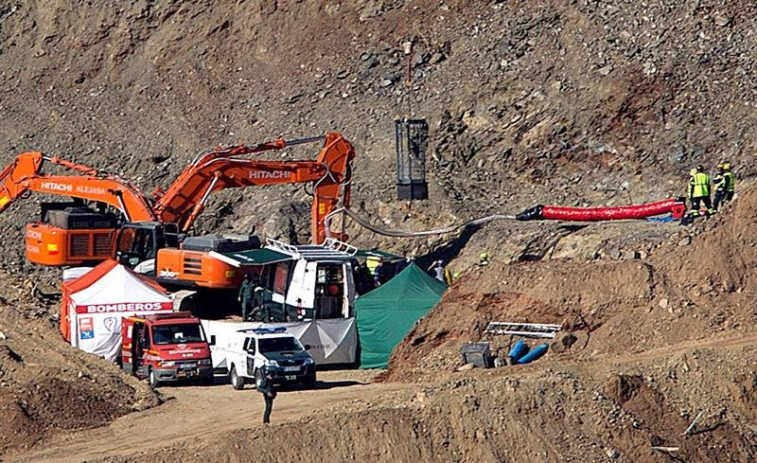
181 333
283 344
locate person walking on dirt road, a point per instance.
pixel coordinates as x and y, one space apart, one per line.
267 388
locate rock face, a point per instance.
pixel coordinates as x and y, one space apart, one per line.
541 102
552 102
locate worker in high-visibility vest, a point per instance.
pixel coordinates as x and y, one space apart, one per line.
371 262
724 185
699 189
483 259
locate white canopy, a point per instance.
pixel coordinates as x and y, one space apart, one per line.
118 286
95 302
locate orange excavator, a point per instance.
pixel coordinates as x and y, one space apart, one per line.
70 233
191 264
150 237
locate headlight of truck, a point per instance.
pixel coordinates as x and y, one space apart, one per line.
309 361
204 363
168 363
272 363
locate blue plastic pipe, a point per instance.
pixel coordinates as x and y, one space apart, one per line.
536 352
518 350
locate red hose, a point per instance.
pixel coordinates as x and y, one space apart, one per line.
594 214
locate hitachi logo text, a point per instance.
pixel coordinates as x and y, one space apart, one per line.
105 308
56 186
274 174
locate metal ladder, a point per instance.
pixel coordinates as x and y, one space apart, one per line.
528 330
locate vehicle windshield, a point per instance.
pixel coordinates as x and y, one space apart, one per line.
283 344
177 334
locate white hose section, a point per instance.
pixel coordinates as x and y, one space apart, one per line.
407 234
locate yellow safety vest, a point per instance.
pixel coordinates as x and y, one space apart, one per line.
730 180
699 185
372 262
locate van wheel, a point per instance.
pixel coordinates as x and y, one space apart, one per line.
237 382
152 378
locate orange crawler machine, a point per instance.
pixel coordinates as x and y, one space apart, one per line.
190 263
70 234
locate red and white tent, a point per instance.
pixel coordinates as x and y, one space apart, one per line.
94 304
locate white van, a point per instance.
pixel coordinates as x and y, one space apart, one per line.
252 351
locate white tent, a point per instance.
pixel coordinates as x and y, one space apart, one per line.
95 303
333 341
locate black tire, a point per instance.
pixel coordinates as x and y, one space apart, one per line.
237 382
207 381
310 382
152 378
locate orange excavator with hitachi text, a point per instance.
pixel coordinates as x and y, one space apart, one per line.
191 263
71 233
147 232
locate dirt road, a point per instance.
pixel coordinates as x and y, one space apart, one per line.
202 412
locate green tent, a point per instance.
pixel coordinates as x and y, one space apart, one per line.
386 314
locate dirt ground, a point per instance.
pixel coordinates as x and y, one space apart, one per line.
562 411
197 413
540 102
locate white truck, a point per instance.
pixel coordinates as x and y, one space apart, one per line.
309 290
304 282
252 351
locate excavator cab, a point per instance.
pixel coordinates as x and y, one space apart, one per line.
137 244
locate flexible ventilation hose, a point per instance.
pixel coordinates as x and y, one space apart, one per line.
406 234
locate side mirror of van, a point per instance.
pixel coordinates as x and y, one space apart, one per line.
212 340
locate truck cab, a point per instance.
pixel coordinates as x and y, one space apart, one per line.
272 348
166 348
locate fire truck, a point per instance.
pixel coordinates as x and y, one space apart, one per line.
166 348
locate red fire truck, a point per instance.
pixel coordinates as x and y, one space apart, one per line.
166 348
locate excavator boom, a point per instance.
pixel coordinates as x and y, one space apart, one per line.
24 174
221 168
131 202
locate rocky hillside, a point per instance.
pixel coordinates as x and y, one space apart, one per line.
539 101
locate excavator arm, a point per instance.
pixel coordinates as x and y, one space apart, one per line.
24 175
119 195
221 168
14 174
